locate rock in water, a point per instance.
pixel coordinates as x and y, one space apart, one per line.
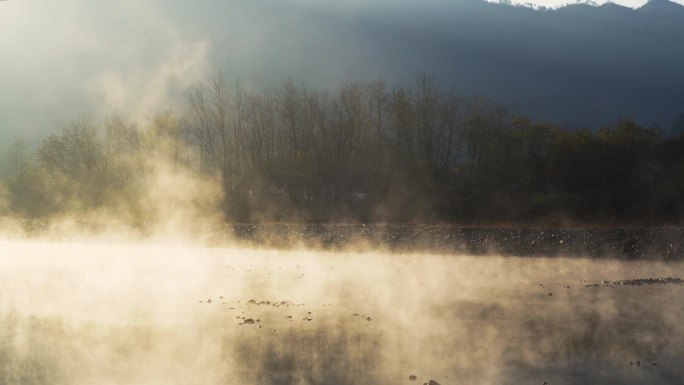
249 321
412 377
433 382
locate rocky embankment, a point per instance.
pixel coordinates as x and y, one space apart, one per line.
666 243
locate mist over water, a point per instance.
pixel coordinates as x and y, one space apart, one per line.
190 226
182 313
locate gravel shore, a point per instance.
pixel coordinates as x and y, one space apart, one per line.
665 243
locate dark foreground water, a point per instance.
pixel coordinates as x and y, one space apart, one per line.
115 313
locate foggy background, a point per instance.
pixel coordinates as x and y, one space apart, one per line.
143 128
578 65
464 111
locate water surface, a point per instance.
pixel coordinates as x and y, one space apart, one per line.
155 313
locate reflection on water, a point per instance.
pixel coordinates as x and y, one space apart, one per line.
77 313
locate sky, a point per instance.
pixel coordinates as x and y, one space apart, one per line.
59 60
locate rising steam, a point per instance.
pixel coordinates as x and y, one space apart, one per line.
121 313
118 266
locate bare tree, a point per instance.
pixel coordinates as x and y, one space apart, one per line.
378 104
19 160
290 107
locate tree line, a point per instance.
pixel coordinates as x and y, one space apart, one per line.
364 152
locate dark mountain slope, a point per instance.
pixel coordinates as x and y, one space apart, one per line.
578 65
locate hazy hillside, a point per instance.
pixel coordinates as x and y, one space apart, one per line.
578 65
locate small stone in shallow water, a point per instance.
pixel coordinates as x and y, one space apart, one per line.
433 382
249 321
412 377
